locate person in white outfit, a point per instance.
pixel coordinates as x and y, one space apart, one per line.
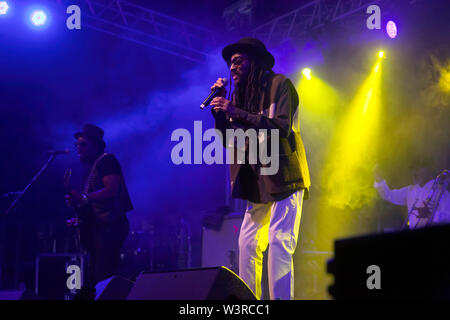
427 200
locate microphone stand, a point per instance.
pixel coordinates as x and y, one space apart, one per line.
19 195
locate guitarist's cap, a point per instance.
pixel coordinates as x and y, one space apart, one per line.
92 133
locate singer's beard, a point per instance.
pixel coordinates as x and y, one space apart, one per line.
241 82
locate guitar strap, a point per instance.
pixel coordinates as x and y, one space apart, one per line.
91 174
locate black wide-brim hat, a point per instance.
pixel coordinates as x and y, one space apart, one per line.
250 46
92 133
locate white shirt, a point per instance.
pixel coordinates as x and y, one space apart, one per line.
413 197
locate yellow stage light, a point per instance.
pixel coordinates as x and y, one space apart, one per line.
307 73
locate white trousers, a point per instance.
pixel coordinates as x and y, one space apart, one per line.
275 224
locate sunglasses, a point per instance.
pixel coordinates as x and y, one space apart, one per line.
236 61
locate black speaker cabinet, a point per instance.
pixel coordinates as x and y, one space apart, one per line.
17 295
217 283
410 264
53 272
114 288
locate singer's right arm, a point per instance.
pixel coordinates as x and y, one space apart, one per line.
221 121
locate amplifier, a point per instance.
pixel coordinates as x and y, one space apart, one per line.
59 276
221 248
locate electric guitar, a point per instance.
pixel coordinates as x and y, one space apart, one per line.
423 216
82 214
420 217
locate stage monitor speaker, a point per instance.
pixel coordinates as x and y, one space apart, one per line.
410 264
17 295
217 283
114 288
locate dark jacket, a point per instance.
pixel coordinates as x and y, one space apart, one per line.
278 106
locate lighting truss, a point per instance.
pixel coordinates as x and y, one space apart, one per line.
312 15
144 26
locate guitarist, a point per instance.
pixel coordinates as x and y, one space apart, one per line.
101 207
423 199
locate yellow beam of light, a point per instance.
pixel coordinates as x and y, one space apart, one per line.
444 80
317 97
320 106
347 176
345 179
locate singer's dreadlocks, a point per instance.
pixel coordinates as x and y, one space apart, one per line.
249 94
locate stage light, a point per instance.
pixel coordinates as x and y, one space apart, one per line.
38 17
391 29
307 73
380 54
3 7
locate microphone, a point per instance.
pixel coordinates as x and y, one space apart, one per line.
57 152
213 94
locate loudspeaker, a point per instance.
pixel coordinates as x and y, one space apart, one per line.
114 288
194 284
17 295
221 247
410 264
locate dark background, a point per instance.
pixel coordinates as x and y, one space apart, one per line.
54 81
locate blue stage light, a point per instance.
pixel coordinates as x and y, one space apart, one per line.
3 7
38 17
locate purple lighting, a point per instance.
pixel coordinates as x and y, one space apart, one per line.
391 29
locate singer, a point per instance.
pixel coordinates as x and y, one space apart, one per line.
101 204
264 100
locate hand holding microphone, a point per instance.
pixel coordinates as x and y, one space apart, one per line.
217 90
220 83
